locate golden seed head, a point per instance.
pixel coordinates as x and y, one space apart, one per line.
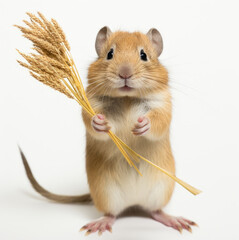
51 65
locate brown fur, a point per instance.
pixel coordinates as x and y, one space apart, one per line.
104 162
126 49
105 165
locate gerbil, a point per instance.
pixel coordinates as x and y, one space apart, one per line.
128 88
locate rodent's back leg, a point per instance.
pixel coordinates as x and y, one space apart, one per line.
101 225
178 223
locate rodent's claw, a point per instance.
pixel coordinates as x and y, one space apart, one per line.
101 225
100 124
142 126
178 223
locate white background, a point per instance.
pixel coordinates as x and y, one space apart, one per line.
201 52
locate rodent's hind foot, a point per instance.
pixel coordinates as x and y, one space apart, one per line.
101 225
178 223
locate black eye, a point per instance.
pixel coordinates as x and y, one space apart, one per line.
110 54
143 55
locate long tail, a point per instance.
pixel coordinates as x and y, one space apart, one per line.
55 197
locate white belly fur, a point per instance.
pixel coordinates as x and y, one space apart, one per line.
134 189
130 188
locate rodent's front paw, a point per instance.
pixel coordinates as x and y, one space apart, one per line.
100 123
142 126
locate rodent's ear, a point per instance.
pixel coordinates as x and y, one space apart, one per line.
156 39
101 38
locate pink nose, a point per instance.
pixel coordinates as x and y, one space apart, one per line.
125 76
125 72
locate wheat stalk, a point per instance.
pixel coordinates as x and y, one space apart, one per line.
55 67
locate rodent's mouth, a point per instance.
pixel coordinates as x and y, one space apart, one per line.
126 88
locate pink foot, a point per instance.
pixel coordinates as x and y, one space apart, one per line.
100 225
178 223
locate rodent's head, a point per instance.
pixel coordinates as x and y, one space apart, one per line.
127 64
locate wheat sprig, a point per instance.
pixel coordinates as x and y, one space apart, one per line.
55 67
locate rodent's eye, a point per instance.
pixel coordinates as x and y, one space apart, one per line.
143 55
110 54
